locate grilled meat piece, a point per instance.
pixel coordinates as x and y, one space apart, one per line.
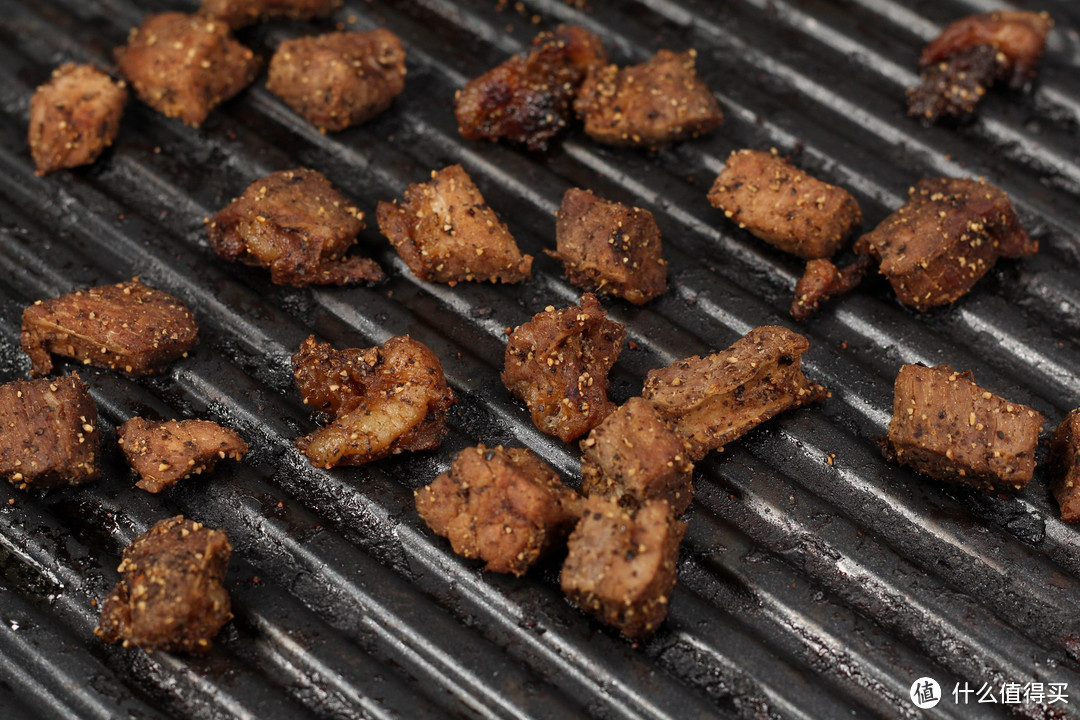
634 457
947 427
949 234
714 400
558 364
382 400
74 117
610 248
163 453
528 99
505 507
340 79
621 564
128 327
784 206
48 433
953 87
1063 467
648 105
298 225
445 232
823 280
184 66
238 13
171 595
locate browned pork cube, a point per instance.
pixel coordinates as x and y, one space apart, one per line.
505 507
714 400
648 105
621 565
298 225
558 364
74 117
947 427
634 457
949 234
48 433
1063 469
445 232
340 79
383 400
529 98
238 13
784 206
184 66
163 453
171 595
128 327
610 248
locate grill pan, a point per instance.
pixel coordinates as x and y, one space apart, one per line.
815 580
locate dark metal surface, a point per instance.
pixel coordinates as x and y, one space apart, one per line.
807 589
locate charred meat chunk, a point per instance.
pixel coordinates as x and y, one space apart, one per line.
74 117
558 364
340 79
621 564
171 595
610 248
947 427
823 280
505 507
445 232
298 225
648 105
784 206
382 400
633 457
184 66
238 13
1063 469
714 400
955 86
949 234
529 98
48 433
163 453
128 327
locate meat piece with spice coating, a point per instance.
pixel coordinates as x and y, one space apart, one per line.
163 453
822 280
239 13
1063 467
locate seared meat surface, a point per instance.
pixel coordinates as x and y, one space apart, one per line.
382 400
128 327
238 13
558 364
163 453
529 98
445 232
823 280
171 595
505 507
340 79
298 225
607 247
74 117
184 66
1063 468
953 87
48 433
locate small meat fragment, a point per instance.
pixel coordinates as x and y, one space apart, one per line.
634 457
947 427
48 433
505 507
558 364
74 117
784 206
184 66
528 99
163 453
955 86
382 400
340 79
610 248
128 327
621 564
648 105
823 280
238 13
949 234
445 232
714 400
171 595
1063 467
298 225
